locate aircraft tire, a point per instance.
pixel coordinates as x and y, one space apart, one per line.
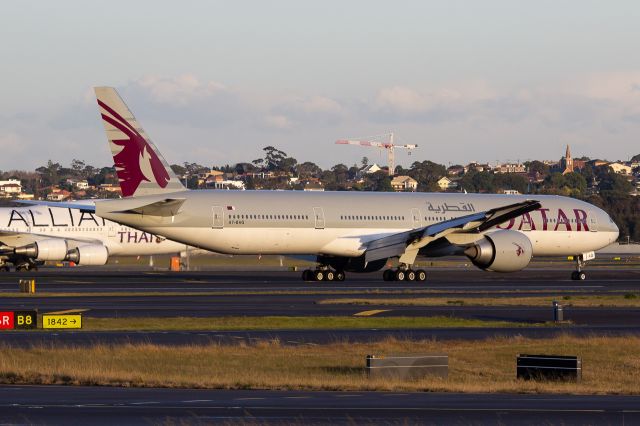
411 276
318 275
340 276
400 275
329 276
421 275
387 275
578 276
306 275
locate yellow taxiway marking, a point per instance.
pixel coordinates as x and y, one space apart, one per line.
370 313
68 311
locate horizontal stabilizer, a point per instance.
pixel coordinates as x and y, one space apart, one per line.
165 208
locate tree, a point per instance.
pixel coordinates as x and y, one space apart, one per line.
538 166
276 160
308 169
378 181
427 174
613 183
341 173
78 166
576 183
511 181
50 173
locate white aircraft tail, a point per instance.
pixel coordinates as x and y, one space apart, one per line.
141 169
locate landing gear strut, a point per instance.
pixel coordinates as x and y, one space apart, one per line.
404 273
581 260
323 273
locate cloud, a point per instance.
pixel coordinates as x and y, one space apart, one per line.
400 100
280 122
464 120
179 90
308 111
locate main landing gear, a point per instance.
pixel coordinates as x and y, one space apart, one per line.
26 266
323 274
404 274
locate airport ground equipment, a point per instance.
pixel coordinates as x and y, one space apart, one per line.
27 286
548 367
558 312
407 367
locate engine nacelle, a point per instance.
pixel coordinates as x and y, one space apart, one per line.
51 249
501 251
93 254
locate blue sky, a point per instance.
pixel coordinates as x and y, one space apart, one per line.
214 82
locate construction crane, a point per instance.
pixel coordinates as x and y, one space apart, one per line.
389 146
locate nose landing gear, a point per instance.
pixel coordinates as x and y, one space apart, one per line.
581 261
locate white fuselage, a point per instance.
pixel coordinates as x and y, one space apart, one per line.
340 223
19 226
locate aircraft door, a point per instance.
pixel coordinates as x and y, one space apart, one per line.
417 220
111 229
318 214
218 217
593 222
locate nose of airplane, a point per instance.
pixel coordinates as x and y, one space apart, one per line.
612 228
616 230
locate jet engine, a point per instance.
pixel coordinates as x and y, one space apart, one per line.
92 254
501 251
51 249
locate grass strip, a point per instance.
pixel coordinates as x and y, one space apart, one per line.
629 300
480 366
283 323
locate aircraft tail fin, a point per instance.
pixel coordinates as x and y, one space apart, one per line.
141 168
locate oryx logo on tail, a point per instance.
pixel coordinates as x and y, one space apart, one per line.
136 161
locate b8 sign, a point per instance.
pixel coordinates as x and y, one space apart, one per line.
25 319
6 320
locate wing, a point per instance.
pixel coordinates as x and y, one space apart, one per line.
409 242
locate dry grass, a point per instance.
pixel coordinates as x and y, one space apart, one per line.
610 365
622 300
284 323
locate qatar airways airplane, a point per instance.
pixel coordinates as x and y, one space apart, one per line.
30 236
344 231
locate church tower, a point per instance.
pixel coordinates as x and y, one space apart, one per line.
568 162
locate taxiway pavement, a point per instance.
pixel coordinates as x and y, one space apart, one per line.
71 405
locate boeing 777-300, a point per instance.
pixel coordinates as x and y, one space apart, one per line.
344 231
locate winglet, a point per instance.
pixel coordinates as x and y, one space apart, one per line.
141 168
